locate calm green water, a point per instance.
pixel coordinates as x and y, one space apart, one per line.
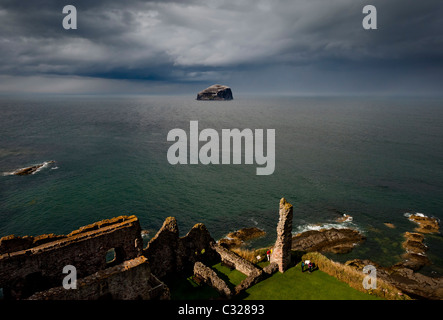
374 159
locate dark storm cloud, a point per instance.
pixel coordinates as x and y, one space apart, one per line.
185 41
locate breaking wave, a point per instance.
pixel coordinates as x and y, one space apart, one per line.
347 224
408 214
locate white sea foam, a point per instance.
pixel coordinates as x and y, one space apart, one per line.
317 227
44 165
417 253
11 173
347 217
408 214
145 234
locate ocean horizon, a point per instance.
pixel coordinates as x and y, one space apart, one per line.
376 159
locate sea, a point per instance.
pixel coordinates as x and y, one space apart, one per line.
376 159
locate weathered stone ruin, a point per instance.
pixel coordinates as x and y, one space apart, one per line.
130 280
280 258
29 265
281 254
253 273
209 276
32 267
168 253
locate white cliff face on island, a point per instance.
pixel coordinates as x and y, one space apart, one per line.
216 92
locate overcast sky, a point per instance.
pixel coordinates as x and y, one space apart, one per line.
283 46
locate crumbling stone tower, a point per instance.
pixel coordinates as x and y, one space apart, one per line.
281 254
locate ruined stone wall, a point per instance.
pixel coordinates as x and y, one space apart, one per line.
281 253
195 246
250 280
240 264
253 273
161 250
130 280
38 263
168 253
210 278
12 243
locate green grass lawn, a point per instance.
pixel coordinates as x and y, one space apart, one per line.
231 277
295 285
290 285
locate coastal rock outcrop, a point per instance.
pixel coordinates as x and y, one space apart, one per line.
403 274
425 224
327 240
415 257
412 283
32 169
216 92
237 238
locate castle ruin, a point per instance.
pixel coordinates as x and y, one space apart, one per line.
281 254
111 263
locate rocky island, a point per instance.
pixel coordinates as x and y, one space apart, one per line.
216 92
32 169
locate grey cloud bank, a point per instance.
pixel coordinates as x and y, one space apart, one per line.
292 46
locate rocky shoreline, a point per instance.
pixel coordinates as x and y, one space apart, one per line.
238 238
425 224
404 275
